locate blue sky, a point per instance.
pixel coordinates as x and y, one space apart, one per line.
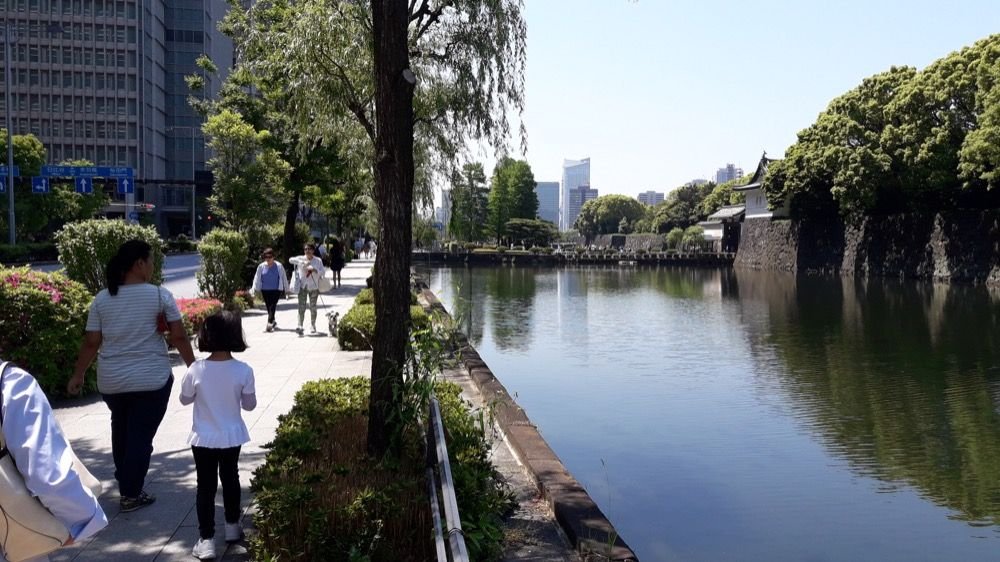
658 92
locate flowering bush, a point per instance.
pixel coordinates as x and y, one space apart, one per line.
42 321
244 299
195 311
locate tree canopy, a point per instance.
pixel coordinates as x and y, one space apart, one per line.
604 214
903 140
512 195
469 203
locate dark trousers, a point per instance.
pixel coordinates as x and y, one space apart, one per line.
135 417
271 299
213 465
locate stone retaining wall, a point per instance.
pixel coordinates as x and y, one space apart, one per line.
961 246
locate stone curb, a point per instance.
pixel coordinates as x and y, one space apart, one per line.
584 523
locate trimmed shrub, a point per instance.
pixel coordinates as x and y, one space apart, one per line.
223 255
320 496
32 251
356 330
86 247
367 296
195 311
674 238
181 244
42 322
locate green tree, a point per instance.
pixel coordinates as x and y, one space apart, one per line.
674 237
722 195
249 176
469 203
604 215
512 195
532 232
682 207
400 83
424 233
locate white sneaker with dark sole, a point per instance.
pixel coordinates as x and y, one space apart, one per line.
204 549
234 532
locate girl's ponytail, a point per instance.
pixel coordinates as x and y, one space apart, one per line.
120 264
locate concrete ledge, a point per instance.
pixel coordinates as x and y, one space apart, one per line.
587 527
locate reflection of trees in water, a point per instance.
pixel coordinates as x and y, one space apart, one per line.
898 378
512 295
469 298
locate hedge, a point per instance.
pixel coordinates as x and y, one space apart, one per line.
29 252
356 330
42 321
86 247
320 496
223 256
367 296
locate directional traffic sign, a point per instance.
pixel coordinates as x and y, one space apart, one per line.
125 185
40 185
84 185
88 171
3 171
133 216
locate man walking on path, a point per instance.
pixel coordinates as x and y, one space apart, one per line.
165 531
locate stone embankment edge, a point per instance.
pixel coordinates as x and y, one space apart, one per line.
578 515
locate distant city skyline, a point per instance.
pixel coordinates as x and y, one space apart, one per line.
648 106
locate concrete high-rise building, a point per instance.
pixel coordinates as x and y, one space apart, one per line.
698 181
576 173
103 81
444 211
548 201
729 173
651 197
577 197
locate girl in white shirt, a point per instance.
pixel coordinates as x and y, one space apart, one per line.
218 386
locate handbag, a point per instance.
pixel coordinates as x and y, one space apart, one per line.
161 318
324 284
27 528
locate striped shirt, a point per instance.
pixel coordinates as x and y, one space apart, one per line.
133 355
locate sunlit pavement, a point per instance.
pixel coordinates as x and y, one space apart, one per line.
282 362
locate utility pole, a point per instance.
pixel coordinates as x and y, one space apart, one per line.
8 40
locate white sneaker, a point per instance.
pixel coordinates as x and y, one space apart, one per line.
234 532
204 549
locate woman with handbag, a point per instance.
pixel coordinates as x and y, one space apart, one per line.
309 274
47 498
133 370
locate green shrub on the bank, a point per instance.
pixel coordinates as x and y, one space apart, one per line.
367 296
320 497
86 247
674 237
356 330
28 252
42 321
223 254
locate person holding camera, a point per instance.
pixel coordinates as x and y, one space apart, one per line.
305 283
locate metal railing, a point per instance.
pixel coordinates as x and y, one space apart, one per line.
448 537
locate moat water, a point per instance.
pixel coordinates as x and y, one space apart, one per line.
719 415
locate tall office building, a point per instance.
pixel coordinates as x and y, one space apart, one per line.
444 211
729 173
548 201
577 197
651 197
575 174
103 80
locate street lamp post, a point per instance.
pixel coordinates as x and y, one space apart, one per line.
8 40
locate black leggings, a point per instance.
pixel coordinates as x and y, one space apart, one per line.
213 465
271 299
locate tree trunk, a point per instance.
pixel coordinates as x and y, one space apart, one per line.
394 86
288 239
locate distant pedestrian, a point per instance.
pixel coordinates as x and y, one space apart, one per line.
271 283
305 283
359 245
218 386
133 369
321 251
337 260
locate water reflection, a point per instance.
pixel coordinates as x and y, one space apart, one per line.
898 378
736 411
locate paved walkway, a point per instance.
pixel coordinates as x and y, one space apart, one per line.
282 362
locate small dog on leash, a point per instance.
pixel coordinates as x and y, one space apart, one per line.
331 319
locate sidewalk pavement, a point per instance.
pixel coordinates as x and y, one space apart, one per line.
167 530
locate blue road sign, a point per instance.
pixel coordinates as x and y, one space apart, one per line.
133 216
40 185
125 185
88 171
17 171
84 185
